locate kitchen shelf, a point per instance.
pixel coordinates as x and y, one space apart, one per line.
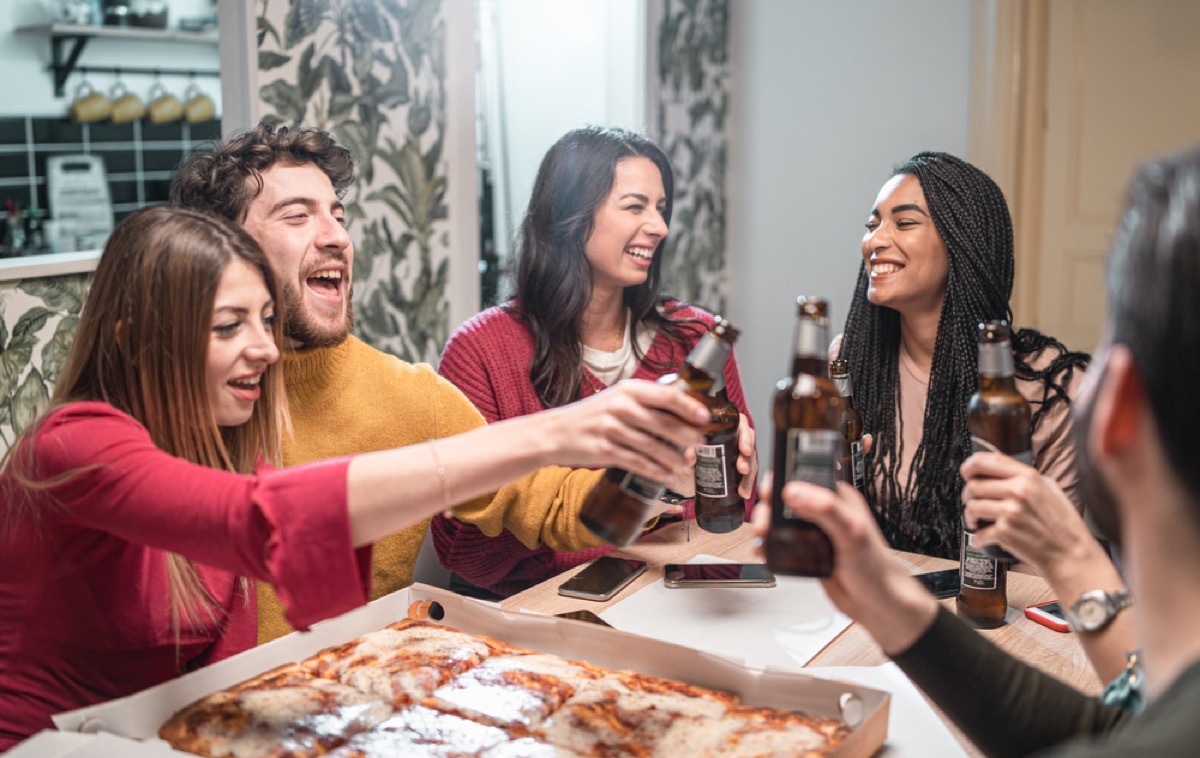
64 62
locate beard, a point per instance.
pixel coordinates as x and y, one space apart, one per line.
300 326
1098 499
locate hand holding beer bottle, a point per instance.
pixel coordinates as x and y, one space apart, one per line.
807 414
619 505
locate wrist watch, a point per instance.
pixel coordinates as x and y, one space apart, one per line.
1096 608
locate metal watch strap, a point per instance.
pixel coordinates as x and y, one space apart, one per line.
1112 603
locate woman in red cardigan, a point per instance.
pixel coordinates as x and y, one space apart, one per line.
137 506
587 314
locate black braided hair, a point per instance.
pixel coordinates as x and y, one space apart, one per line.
922 514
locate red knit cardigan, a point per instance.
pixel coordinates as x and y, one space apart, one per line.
488 358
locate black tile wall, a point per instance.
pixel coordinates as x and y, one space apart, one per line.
140 158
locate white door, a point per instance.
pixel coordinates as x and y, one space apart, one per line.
1123 85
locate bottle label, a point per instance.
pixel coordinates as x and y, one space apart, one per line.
856 464
642 488
710 471
978 570
980 445
812 456
843 384
812 338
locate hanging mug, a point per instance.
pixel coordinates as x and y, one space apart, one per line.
89 105
164 107
126 106
197 105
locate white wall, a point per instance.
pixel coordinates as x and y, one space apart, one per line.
27 86
827 98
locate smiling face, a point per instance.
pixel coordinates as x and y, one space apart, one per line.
905 256
241 344
628 225
299 222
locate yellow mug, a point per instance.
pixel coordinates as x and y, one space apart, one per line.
197 106
164 107
126 106
89 105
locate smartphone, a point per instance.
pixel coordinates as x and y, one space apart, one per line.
941 583
603 578
587 616
1049 614
677 575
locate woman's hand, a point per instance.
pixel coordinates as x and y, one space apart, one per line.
747 462
643 427
868 584
1032 517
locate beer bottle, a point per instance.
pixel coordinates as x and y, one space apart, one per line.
719 507
852 426
998 419
807 415
998 416
620 504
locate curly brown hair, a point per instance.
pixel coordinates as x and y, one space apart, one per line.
223 178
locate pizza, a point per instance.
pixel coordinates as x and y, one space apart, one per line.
422 689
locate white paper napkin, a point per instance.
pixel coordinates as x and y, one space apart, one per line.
784 626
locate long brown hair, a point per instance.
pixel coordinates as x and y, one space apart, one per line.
141 347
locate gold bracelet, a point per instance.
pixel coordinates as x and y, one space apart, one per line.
447 500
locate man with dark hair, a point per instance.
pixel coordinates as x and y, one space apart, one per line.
284 187
1136 424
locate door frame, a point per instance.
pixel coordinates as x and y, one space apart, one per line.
1007 132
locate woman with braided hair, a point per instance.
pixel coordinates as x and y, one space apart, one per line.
937 261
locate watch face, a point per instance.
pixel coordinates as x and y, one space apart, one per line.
1090 612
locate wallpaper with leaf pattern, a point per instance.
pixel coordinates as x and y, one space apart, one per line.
37 323
692 106
372 73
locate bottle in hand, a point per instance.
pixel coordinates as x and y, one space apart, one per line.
998 416
719 507
807 416
620 504
998 419
853 471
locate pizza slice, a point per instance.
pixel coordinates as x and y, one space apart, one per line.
422 731
754 733
515 692
405 662
285 712
626 713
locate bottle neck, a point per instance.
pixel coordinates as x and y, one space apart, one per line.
995 360
709 356
842 382
812 345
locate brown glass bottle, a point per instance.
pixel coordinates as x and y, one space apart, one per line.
719 507
998 416
807 416
998 419
620 504
853 471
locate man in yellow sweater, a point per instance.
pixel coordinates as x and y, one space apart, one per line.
284 188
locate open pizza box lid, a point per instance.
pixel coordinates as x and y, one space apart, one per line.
139 716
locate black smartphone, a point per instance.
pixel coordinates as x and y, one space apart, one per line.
676 575
941 583
587 616
603 578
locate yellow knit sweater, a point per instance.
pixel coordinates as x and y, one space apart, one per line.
352 399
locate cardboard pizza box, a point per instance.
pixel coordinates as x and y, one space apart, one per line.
865 709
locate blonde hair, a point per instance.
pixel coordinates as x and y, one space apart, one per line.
141 347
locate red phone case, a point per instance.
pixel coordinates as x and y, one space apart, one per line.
1035 613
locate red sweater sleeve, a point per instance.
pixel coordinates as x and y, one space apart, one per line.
287 526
